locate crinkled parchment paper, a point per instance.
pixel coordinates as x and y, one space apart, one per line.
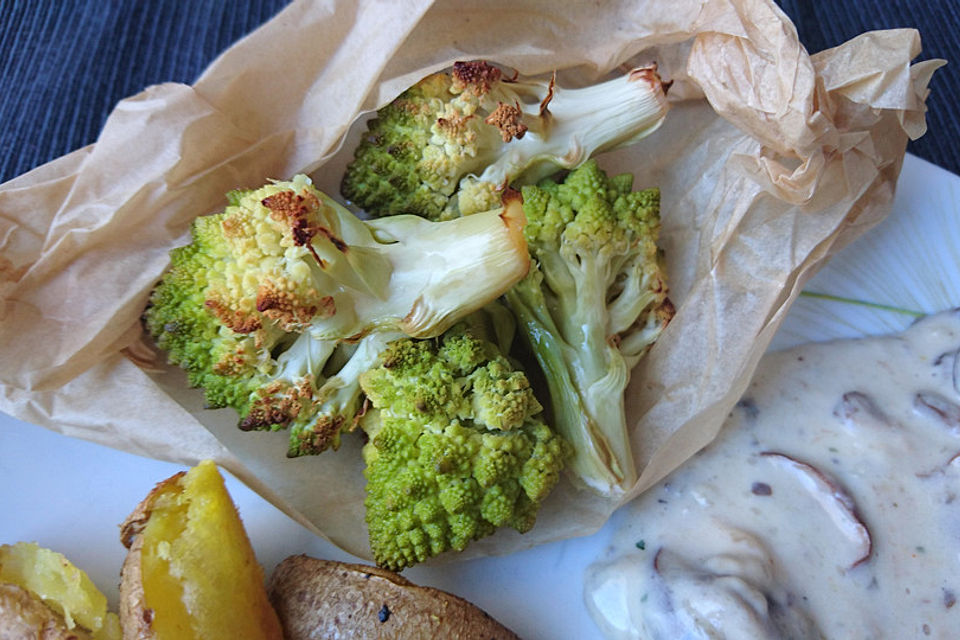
770 160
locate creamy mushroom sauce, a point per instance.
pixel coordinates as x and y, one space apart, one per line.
827 507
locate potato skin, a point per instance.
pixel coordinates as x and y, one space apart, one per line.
326 599
135 617
23 616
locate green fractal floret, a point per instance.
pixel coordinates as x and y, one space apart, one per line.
456 448
593 304
447 146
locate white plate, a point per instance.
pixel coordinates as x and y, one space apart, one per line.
70 495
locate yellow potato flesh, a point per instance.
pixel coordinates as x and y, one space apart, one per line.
200 576
61 586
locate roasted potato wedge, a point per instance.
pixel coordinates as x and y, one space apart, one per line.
325 599
190 572
43 595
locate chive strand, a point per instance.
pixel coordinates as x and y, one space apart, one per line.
872 305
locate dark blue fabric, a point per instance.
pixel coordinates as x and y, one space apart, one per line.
65 63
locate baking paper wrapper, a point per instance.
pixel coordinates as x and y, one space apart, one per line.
770 160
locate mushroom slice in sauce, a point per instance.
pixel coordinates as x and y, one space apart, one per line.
834 500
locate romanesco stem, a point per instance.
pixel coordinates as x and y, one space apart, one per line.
595 463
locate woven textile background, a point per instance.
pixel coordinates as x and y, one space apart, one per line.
65 63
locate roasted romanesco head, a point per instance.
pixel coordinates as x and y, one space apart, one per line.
284 298
448 145
456 449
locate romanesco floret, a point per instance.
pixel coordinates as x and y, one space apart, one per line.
448 145
281 301
594 302
456 449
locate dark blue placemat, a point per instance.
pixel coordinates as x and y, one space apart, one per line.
65 63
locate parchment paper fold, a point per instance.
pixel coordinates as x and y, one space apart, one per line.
771 160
